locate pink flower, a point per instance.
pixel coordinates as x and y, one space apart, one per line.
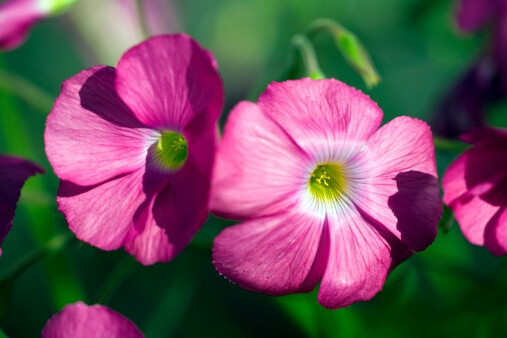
79 320
16 19
475 188
18 16
325 195
13 174
134 148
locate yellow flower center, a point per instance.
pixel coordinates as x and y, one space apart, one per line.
171 150
328 182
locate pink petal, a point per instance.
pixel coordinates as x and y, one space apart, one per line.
473 214
148 241
178 212
13 174
79 320
453 180
475 172
496 233
16 19
326 118
275 255
168 80
395 181
102 215
474 188
258 167
361 255
91 136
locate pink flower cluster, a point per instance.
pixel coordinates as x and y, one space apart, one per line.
324 193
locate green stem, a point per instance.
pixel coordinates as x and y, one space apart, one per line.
26 91
305 49
449 145
55 245
126 267
351 48
143 22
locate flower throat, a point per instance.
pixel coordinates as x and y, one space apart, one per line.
171 150
327 182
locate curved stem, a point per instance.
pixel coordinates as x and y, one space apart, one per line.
55 245
26 91
350 47
305 49
143 22
122 270
449 145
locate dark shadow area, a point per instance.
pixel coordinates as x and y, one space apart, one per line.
69 189
399 251
98 95
417 208
486 172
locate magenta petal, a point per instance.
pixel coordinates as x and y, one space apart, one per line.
485 135
103 215
91 136
16 19
275 255
177 213
396 181
258 167
360 257
473 14
495 237
473 215
168 80
323 116
148 241
13 174
475 186
79 320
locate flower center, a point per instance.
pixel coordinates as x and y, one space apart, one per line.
328 182
171 150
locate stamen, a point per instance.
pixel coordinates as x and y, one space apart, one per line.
328 182
171 150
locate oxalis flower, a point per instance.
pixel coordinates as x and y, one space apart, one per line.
475 188
14 172
79 320
325 195
134 148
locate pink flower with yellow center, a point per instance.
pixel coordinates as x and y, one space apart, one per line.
134 147
325 194
79 320
475 188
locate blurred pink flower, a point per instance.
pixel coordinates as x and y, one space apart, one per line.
16 19
110 27
13 174
18 16
79 320
325 194
475 188
134 147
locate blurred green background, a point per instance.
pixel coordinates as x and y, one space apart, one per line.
451 289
